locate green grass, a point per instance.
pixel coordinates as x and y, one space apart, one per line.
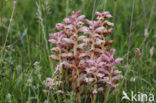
24 60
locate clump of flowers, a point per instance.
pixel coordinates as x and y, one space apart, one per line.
84 55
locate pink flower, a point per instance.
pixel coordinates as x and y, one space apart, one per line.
54 57
100 89
118 60
82 46
67 55
50 83
81 38
151 51
96 24
58 67
99 42
69 41
97 35
67 21
103 70
80 18
98 14
84 29
66 64
83 55
115 78
100 75
53 41
53 36
59 26
105 80
70 27
101 64
100 29
76 14
106 13
112 52
89 80
58 82
95 91
88 22
116 72
108 23
105 57
56 49
79 24
90 62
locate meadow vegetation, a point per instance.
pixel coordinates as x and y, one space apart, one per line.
24 48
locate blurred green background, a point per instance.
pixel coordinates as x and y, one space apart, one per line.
24 48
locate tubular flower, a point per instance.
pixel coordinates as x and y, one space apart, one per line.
83 54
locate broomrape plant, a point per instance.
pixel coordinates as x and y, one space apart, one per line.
84 56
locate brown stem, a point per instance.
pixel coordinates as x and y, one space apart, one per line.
92 57
77 71
79 97
60 61
75 49
66 75
95 95
92 48
107 92
109 87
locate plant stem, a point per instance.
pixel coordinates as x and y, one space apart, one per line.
77 71
12 15
107 92
129 41
109 87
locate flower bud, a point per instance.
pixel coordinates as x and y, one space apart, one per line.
151 51
137 52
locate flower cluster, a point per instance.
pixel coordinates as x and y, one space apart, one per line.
83 53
